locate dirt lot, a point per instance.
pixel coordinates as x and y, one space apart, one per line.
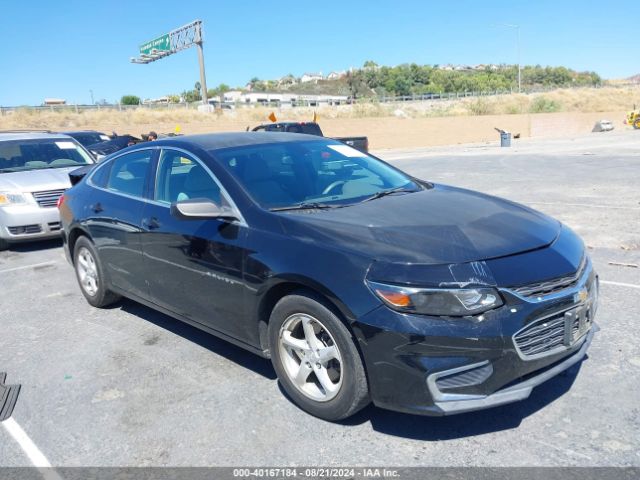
130 386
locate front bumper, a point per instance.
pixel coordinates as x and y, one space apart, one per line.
19 223
449 404
434 366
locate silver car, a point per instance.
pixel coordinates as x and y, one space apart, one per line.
34 168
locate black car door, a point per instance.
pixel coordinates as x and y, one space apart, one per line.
194 267
114 216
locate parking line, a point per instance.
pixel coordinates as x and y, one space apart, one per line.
30 449
24 267
619 284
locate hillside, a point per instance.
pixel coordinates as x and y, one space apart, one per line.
407 79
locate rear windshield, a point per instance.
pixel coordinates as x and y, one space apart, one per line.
308 128
20 155
89 138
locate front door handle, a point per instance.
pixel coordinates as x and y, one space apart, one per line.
151 223
96 207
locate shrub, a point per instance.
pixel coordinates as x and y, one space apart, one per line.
130 100
544 105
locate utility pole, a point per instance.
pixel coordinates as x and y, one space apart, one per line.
517 27
92 102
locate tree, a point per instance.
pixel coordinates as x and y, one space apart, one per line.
130 100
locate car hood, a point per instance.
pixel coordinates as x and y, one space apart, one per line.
36 180
442 225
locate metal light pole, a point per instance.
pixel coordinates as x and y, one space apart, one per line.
517 27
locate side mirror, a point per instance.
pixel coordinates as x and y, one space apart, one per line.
201 209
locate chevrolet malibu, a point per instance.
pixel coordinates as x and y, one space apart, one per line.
361 283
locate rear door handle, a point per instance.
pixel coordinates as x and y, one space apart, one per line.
96 207
151 223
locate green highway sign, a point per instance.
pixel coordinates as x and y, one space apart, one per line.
162 44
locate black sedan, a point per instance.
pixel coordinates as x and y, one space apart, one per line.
87 138
360 282
111 145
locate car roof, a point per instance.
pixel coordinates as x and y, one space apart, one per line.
68 132
26 135
218 141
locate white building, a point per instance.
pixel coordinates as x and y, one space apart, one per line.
311 77
232 96
289 99
336 75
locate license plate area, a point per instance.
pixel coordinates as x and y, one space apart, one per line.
577 323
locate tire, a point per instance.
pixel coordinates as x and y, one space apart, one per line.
636 123
310 343
4 245
90 274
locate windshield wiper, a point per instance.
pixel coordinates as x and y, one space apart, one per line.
306 206
384 193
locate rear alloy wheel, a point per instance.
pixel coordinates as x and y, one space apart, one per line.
90 274
315 358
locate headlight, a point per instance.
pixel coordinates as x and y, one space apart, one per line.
458 302
12 198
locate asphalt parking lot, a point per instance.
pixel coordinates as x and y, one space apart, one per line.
128 386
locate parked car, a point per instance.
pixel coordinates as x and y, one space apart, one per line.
88 137
104 148
312 128
34 172
360 282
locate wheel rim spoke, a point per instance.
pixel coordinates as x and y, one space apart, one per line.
295 343
310 334
325 381
303 374
328 353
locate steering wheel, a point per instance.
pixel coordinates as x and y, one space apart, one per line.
335 184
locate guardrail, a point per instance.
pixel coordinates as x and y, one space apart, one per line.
436 96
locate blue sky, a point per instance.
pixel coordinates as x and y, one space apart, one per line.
66 48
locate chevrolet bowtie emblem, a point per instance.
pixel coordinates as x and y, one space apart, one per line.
582 295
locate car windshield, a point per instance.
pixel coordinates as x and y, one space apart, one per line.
317 174
20 155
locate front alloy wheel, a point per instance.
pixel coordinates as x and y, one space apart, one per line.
310 357
315 356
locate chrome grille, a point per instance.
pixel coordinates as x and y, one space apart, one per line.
25 229
554 333
542 336
48 198
555 285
